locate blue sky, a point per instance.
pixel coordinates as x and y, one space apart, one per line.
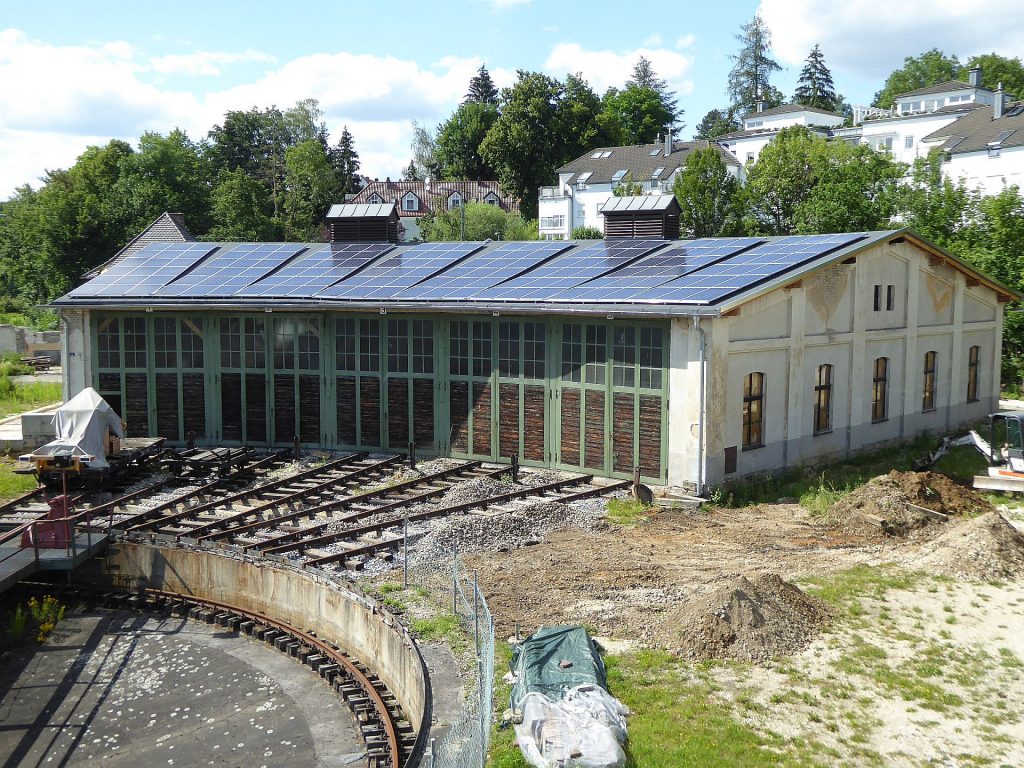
74 74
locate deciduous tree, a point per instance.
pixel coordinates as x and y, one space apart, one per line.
716 123
930 68
457 150
707 194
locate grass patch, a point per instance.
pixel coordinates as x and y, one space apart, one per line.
32 622
12 485
844 590
15 398
627 511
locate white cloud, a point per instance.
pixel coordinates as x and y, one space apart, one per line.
685 41
604 69
652 41
203 63
98 92
870 39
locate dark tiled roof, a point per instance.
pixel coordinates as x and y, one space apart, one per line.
786 109
766 131
948 85
974 132
168 228
470 191
638 161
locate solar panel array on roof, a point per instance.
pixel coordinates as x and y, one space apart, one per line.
143 272
485 269
634 280
317 269
749 268
398 271
228 272
551 279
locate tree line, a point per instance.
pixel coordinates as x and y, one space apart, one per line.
261 174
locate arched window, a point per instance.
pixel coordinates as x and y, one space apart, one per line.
880 390
928 394
753 411
823 400
972 374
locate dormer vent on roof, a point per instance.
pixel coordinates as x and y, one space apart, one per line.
363 223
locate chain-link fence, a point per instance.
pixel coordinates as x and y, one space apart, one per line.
465 744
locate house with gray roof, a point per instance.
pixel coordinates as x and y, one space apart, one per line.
985 148
586 184
763 125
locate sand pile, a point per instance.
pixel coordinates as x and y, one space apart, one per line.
887 497
753 620
986 548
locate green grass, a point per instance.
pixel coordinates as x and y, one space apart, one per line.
844 590
15 398
12 485
627 511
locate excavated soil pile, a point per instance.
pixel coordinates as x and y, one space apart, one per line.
749 620
887 498
986 548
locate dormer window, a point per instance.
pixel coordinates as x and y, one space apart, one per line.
656 173
618 176
454 200
410 202
491 199
375 199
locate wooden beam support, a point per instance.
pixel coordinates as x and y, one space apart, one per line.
851 260
936 261
973 282
732 313
795 284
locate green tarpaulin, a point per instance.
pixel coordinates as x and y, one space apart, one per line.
553 660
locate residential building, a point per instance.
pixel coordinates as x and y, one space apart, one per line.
694 361
760 127
415 199
985 148
585 184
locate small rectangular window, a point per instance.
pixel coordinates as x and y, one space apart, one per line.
534 350
624 356
753 411
823 400
508 349
972 374
398 346
135 342
878 298
572 352
482 349
108 340
928 394
191 343
369 346
459 348
345 344
890 297
880 390
422 346
597 353
908 142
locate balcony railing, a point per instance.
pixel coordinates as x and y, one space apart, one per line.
553 192
552 222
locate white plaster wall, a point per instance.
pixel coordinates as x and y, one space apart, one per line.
916 127
989 175
76 351
809 324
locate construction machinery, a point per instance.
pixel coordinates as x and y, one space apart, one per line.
1004 452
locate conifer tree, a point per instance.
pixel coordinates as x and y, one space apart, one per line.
345 161
815 87
482 88
752 69
411 172
644 76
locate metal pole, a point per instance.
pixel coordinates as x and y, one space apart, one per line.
483 713
455 580
515 467
476 613
462 222
433 752
412 455
35 540
297 447
405 547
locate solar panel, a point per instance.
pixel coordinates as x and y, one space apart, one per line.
486 269
400 270
749 268
634 280
553 278
317 269
229 271
144 271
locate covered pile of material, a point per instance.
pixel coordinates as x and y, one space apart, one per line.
986 548
565 717
82 427
752 620
885 501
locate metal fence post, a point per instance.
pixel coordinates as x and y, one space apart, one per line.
476 613
483 711
455 581
433 752
405 553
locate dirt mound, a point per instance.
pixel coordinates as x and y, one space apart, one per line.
986 548
887 497
750 620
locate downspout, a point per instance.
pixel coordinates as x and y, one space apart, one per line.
700 412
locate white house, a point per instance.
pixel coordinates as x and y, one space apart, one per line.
760 127
586 183
985 148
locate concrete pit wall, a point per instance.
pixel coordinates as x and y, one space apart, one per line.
303 599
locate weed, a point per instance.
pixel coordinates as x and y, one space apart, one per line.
15 398
627 511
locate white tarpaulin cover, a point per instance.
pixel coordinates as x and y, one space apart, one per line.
82 424
584 729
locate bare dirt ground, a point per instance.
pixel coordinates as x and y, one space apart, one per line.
919 659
